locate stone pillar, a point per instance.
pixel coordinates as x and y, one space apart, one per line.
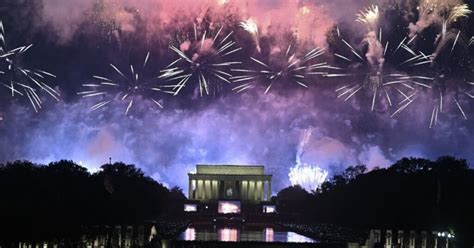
244 190
203 189
269 193
215 189
400 239
190 190
251 190
199 189
259 190
424 239
412 239
388 239
208 191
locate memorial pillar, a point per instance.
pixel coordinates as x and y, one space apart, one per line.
190 190
204 189
243 190
251 190
215 190
200 189
207 187
196 190
259 191
269 193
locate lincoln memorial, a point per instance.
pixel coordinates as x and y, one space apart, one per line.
232 182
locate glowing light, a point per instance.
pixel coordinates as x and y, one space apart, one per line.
269 235
268 209
305 10
190 207
369 16
222 2
229 207
307 176
296 238
250 26
228 235
190 234
459 11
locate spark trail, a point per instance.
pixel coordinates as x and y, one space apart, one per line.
379 73
125 86
204 59
283 67
19 78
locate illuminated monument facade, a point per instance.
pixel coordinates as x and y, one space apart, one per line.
248 184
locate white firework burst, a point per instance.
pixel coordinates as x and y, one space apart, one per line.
125 86
205 60
284 67
21 80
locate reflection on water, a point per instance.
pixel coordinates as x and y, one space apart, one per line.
190 234
269 235
227 234
140 236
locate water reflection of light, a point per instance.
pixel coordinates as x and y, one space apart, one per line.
296 238
228 235
190 234
269 235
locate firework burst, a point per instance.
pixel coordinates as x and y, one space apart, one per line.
379 73
307 176
452 86
18 78
446 87
369 17
205 59
125 86
285 66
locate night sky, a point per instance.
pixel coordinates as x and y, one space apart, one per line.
287 126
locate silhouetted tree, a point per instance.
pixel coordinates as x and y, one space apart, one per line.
412 193
60 197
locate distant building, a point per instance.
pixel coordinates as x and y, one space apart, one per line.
248 184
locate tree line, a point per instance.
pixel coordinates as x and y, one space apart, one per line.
413 193
63 196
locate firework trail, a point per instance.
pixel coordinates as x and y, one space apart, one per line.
452 85
251 27
125 86
382 74
205 59
447 32
446 88
20 79
307 176
441 14
283 67
293 69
